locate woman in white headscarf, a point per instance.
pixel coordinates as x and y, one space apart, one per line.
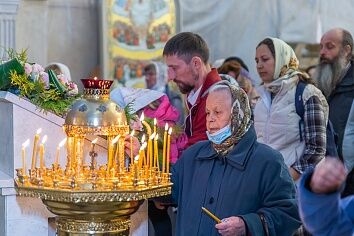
156 79
60 69
276 119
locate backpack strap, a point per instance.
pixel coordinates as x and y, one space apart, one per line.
299 105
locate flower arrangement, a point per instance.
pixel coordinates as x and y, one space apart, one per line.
48 91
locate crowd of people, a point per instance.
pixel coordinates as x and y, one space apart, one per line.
247 154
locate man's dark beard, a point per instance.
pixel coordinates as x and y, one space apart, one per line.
329 73
186 88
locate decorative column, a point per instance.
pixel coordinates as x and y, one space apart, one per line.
8 12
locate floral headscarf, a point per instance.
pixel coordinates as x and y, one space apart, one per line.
240 117
286 64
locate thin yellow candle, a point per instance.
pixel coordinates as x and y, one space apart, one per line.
156 151
150 150
142 160
168 151
34 152
136 172
116 140
155 123
164 148
24 145
148 131
41 152
142 155
131 147
62 142
93 143
111 157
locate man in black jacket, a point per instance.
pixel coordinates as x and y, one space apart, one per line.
335 77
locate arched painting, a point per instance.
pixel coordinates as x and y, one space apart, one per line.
135 33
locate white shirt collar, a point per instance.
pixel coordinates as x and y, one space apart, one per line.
193 96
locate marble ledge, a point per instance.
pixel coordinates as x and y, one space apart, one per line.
27 105
7 97
6 181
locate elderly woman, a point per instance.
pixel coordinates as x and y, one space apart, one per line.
243 182
275 117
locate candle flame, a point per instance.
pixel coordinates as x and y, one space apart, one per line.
94 141
170 131
44 139
136 158
156 136
25 144
152 136
115 139
155 121
166 127
62 143
39 130
142 116
95 78
144 145
143 138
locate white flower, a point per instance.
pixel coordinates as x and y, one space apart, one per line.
73 89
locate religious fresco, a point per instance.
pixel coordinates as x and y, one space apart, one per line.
137 32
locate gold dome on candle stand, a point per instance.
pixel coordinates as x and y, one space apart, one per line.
91 199
96 113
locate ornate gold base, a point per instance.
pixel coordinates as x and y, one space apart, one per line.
93 213
75 227
100 218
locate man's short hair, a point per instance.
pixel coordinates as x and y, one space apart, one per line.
186 45
347 39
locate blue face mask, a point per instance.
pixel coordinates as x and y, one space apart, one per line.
219 136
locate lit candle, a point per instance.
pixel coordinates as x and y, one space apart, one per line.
155 122
142 154
110 159
93 143
149 146
24 145
34 152
131 147
142 141
168 150
115 140
58 150
156 152
136 173
150 150
164 148
41 152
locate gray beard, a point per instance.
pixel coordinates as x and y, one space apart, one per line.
329 75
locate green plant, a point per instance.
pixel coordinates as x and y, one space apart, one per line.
30 81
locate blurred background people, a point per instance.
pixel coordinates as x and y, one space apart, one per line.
311 71
156 78
233 68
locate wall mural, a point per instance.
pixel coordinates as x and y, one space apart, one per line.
137 31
